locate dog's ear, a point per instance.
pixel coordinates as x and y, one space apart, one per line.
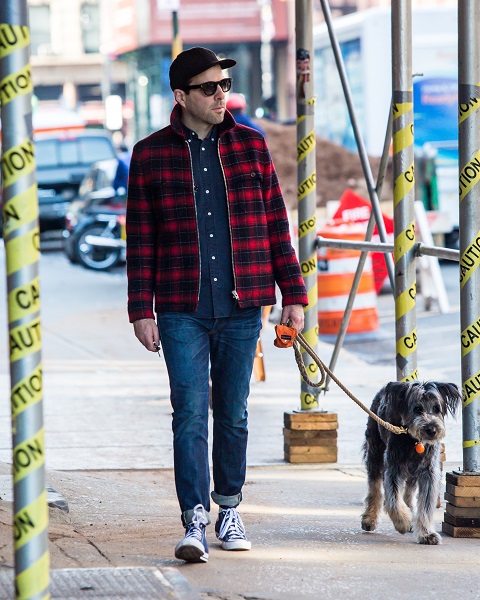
398 394
451 396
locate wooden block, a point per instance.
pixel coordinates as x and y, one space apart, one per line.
461 521
460 532
327 442
310 437
461 511
464 502
310 416
463 479
463 491
309 450
312 425
309 458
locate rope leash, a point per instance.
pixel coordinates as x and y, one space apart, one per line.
296 340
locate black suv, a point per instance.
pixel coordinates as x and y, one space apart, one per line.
62 162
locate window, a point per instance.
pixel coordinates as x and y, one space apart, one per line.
40 34
90 21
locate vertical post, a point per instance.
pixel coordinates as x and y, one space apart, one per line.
469 190
176 39
404 192
306 194
21 234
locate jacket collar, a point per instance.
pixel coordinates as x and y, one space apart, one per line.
176 121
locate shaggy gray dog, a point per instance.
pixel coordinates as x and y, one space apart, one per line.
398 460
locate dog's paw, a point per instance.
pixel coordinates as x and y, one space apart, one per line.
368 523
431 538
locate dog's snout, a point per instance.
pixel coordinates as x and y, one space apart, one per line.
430 430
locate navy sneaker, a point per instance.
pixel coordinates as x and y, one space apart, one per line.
230 530
194 547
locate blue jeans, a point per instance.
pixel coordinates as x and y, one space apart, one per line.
190 344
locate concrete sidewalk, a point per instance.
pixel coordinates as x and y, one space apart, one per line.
109 455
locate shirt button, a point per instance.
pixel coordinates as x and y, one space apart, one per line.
203 148
211 235
207 191
209 214
213 258
214 279
205 169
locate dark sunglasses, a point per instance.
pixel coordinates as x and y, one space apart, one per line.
210 87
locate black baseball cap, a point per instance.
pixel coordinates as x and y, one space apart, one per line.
193 62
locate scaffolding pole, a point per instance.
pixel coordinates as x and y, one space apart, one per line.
469 198
307 191
403 192
22 245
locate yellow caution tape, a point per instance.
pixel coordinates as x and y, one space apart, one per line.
307 186
309 267
470 443
465 109
308 400
400 108
469 176
15 85
412 377
404 241
24 300
34 580
305 146
18 162
307 227
407 344
471 389
25 339
28 456
13 37
402 139
20 209
23 251
30 521
313 300
405 301
470 260
403 185
470 337
27 392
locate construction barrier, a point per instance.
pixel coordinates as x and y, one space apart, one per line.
336 270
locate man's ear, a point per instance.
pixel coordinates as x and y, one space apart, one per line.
179 97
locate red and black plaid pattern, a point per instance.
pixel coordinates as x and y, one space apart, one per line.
163 263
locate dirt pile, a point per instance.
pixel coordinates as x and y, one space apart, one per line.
336 167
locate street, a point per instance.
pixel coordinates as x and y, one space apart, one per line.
108 449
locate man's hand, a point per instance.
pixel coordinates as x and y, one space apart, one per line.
146 332
294 312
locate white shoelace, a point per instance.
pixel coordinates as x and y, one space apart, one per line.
194 528
232 526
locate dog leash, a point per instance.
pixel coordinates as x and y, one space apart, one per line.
288 336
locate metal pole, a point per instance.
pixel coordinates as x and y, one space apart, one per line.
367 171
176 39
21 234
363 256
469 190
307 191
404 192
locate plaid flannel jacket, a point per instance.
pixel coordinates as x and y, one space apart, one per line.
163 262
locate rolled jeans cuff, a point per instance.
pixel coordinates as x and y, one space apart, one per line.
187 517
229 501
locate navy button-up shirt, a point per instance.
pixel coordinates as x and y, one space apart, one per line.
216 270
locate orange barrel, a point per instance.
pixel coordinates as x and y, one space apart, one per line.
336 270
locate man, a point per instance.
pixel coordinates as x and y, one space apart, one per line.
207 237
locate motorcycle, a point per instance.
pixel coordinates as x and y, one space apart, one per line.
101 242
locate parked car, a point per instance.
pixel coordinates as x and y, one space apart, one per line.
94 233
62 161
